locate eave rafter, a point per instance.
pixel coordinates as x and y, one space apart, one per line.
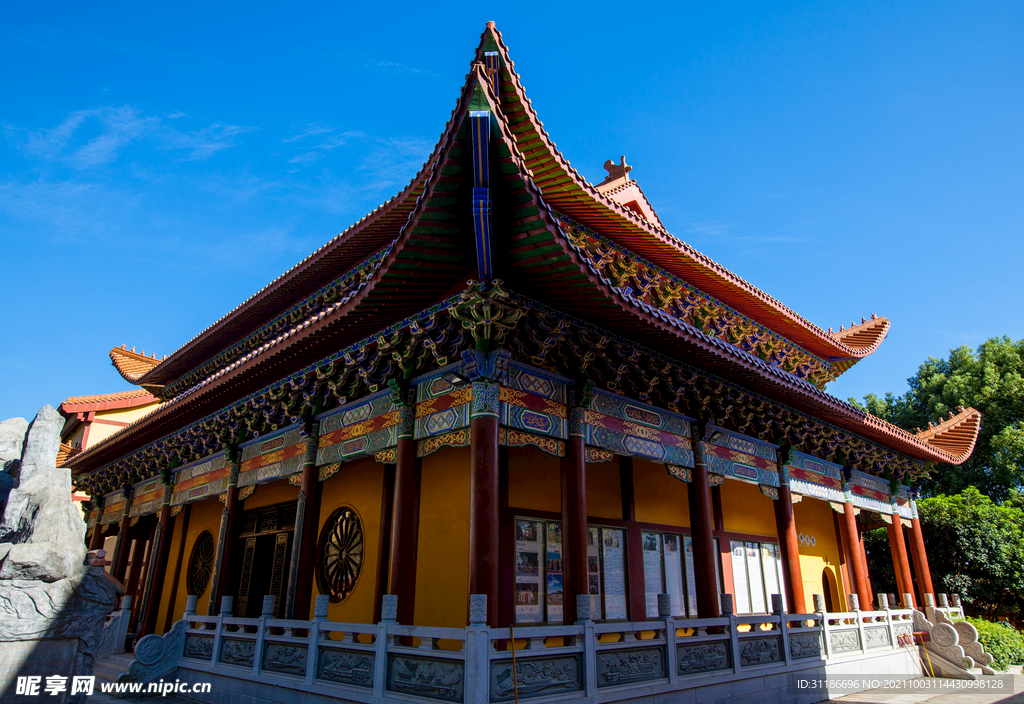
955 435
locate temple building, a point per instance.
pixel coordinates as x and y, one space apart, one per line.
506 381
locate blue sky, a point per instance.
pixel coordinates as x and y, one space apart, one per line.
159 164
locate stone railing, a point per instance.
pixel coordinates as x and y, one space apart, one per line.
479 664
115 630
858 632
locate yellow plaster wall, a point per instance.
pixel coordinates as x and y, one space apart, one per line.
168 577
358 485
534 480
604 490
659 497
814 518
746 510
205 516
277 492
442 561
101 431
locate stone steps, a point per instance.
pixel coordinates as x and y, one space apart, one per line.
109 668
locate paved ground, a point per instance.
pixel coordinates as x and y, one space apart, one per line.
1008 695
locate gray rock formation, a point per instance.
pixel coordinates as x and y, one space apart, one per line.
52 604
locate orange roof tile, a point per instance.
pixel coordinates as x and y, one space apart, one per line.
65 452
956 435
102 398
132 365
865 336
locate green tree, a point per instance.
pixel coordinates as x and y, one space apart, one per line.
975 549
991 379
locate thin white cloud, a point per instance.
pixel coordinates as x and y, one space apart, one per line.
117 128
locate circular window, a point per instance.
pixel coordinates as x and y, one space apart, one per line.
200 563
339 554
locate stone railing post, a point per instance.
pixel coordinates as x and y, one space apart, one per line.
820 609
123 616
855 603
671 655
191 604
320 607
226 602
267 612
478 652
778 609
589 642
388 617
884 605
728 610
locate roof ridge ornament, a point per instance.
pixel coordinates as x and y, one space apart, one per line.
617 171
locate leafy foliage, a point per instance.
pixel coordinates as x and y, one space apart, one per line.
975 549
991 379
1003 642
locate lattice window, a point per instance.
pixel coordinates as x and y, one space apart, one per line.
200 563
340 554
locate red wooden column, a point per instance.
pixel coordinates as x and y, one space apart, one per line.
225 539
855 550
790 547
124 540
899 558
162 547
483 496
702 530
307 515
575 533
176 577
924 575
96 539
405 520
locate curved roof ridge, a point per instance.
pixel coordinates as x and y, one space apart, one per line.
132 365
955 435
833 347
337 241
865 421
337 309
866 335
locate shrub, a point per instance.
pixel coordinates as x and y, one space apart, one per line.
1002 641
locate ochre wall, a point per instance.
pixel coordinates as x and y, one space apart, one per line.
442 561
277 492
814 518
746 510
358 485
604 490
659 497
534 480
205 516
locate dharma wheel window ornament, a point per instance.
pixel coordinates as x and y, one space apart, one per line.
200 563
340 554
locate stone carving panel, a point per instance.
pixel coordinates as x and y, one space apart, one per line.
877 637
756 651
629 666
546 677
844 641
285 658
703 657
199 647
237 652
426 677
804 645
345 667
